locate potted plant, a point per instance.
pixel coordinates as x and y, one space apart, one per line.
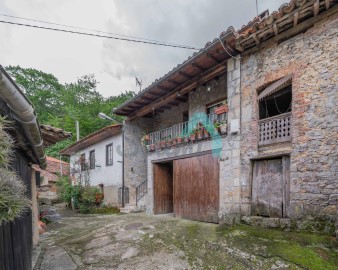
222 109
192 136
206 133
174 142
179 139
145 139
169 143
216 128
200 133
163 144
186 139
223 128
148 147
159 145
152 147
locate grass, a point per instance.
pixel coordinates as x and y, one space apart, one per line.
105 210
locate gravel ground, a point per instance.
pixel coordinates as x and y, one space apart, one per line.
139 241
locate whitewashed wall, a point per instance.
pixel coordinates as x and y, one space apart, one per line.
109 176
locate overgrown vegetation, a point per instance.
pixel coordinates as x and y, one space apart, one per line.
85 198
13 201
59 105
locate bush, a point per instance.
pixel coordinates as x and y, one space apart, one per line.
13 200
67 191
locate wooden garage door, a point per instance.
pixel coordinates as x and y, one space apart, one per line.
196 188
268 188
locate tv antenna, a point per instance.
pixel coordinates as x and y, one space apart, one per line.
257 7
138 83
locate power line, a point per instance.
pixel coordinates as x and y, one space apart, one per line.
102 36
87 29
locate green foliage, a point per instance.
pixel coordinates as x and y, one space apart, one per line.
13 200
105 210
67 191
60 105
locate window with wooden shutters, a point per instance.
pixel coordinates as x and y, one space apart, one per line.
109 154
83 162
92 159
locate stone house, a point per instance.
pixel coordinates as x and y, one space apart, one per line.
277 162
96 160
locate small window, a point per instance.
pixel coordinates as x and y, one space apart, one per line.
83 162
92 159
109 154
276 99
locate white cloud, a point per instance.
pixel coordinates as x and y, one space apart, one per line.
116 63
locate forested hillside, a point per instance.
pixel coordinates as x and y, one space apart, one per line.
59 105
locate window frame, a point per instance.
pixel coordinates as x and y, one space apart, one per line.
92 159
109 162
83 162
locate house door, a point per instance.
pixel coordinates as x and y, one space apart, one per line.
196 188
163 188
270 187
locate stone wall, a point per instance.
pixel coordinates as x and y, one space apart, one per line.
312 58
201 97
170 117
135 166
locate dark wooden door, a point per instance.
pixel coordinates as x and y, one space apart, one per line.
196 188
268 188
163 188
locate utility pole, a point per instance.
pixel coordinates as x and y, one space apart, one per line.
77 130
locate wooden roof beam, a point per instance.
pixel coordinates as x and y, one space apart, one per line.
148 98
209 55
163 88
186 76
198 67
173 82
183 89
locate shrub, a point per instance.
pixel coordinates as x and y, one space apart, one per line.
67 191
13 200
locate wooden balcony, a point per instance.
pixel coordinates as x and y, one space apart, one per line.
275 129
181 134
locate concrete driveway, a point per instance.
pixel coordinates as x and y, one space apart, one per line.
138 241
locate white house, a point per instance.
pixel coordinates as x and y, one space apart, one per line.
97 160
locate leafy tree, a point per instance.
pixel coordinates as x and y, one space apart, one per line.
61 105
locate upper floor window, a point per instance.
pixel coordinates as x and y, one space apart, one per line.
92 159
83 162
109 154
276 99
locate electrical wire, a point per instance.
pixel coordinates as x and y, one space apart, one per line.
101 36
86 29
234 57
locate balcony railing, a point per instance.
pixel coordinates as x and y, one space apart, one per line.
275 129
203 128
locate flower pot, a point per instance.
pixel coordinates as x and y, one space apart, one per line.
199 135
179 140
148 147
158 145
221 109
206 134
174 143
146 137
163 144
152 147
223 129
186 139
192 137
169 143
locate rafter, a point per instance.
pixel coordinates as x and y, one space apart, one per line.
184 75
209 55
198 67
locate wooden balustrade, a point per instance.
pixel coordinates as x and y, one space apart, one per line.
275 129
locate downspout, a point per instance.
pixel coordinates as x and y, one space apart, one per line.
23 113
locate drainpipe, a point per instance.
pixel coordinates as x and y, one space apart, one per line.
123 163
24 113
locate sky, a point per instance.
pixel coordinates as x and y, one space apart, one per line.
116 63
